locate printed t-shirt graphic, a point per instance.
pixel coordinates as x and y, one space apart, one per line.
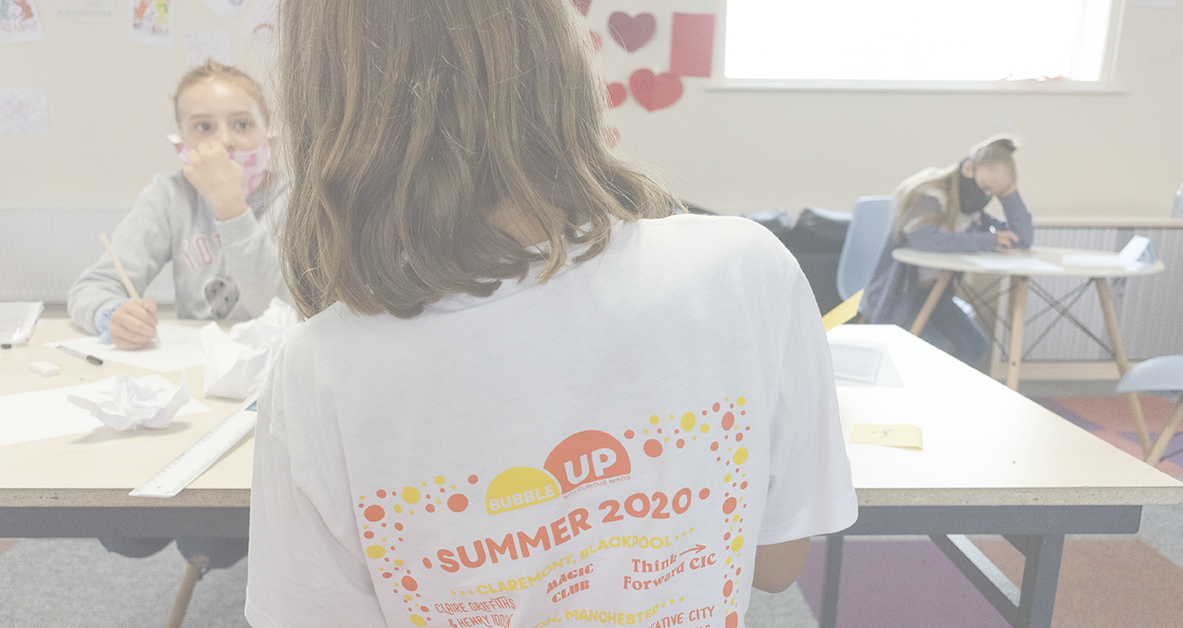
598 512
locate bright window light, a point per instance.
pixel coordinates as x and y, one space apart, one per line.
916 40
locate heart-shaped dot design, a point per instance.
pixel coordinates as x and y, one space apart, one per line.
617 92
631 32
655 91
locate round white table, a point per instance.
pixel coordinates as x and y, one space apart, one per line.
1019 267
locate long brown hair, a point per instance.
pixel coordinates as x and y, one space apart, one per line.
411 123
997 151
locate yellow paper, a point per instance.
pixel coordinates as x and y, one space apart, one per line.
845 311
906 436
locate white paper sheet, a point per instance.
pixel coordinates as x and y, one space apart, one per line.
20 22
863 364
202 45
1007 262
46 414
23 111
178 348
85 10
225 9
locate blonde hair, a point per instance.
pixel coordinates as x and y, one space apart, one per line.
212 70
412 122
996 152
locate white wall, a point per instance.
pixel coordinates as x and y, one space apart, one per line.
1108 154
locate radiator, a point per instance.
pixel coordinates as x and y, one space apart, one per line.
47 244
1149 308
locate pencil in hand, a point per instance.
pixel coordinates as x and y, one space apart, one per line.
127 284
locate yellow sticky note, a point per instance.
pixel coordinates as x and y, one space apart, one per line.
847 310
906 436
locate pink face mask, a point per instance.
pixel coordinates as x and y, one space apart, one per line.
254 164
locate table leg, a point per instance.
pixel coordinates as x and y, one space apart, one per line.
1164 437
1018 317
1123 364
830 580
934 295
1041 575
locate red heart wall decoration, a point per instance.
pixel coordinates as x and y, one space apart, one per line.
632 32
617 92
655 91
582 5
596 41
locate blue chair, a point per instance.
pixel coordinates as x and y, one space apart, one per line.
1164 374
870 226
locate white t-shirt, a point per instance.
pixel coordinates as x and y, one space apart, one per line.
605 448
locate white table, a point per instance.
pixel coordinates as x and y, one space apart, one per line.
994 462
951 263
76 485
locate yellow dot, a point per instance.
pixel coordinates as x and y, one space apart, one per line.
437 501
705 428
362 498
667 439
418 621
741 455
398 561
727 478
453 487
646 431
411 495
741 401
397 508
383 539
688 421
671 417
375 551
424 483
735 518
654 420
737 543
409 598
411 512
728 561
365 527
439 479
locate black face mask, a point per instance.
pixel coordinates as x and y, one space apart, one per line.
972 199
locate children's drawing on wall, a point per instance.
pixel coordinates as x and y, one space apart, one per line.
84 10
225 9
23 111
631 32
19 22
259 27
202 45
151 22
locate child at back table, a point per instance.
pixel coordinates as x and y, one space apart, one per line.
524 391
214 219
941 209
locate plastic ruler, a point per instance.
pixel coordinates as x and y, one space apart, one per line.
192 462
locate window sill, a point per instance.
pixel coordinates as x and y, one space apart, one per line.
979 87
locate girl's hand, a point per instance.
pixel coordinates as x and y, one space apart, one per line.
216 178
133 324
1007 239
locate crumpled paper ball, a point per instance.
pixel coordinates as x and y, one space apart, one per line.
237 363
124 402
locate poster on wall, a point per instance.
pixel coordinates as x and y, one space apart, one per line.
202 45
19 22
84 10
259 27
225 9
23 111
152 22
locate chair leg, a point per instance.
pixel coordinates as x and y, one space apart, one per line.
1164 437
193 573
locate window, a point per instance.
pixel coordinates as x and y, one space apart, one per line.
917 40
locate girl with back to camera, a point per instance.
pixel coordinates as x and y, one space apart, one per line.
521 392
214 219
941 209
